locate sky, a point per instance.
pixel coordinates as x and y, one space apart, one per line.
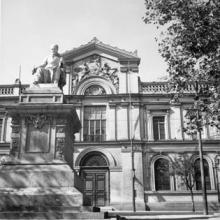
30 27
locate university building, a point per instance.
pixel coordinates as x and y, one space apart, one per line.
129 130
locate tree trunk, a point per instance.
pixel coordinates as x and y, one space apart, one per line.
192 198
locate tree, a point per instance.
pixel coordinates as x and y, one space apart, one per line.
184 167
190 44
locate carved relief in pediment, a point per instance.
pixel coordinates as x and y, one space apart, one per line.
95 66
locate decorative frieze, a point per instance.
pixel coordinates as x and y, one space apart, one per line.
38 120
94 66
15 141
61 121
60 144
15 135
15 129
60 129
15 120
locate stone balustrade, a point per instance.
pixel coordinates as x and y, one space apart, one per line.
154 87
11 90
160 88
145 88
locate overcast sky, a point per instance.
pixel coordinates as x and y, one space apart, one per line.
29 27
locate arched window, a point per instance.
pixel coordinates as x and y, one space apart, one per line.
198 175
95 90
94 160
162 176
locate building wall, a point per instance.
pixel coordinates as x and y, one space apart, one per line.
132 109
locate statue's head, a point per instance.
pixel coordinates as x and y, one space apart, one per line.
54 48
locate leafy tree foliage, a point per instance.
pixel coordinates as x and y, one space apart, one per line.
190 44
184 167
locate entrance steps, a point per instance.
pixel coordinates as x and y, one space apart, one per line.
182 206
156 215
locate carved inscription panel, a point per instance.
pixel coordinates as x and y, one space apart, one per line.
38 140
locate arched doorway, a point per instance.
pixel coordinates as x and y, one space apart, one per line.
94 170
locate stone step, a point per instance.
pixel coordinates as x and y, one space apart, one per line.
166 217
182 206
51 215
51 219
112 214
163 215
43 209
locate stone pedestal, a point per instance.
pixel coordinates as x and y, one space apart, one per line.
39 171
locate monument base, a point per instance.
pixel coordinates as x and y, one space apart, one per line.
38 174
42 93
38 187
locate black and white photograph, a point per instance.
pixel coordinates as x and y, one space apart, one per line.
110 109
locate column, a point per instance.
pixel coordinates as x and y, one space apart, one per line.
149 126
167 127
78 135
122 82
122 122
139 185
175 122
135 122
111 123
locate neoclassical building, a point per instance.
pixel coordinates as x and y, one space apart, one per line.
130 129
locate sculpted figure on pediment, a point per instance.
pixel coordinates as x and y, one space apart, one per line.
92 66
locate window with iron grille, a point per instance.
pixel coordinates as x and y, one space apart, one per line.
94 127
159 127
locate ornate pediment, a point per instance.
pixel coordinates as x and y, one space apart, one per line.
98 60
100 48
95 65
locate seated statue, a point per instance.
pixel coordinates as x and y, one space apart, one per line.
52 70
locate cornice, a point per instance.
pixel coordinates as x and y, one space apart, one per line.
95 44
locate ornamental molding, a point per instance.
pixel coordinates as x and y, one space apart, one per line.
105 86
60 145
61 121
15 129
15 120
112 159
60 129
94 66
14 146
38 120
95 90
98 45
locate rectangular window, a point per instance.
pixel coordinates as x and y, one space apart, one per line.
159 127
94 123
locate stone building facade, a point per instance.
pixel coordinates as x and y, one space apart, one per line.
129 128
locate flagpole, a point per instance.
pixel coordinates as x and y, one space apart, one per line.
19 78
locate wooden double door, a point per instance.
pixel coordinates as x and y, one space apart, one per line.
96 187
